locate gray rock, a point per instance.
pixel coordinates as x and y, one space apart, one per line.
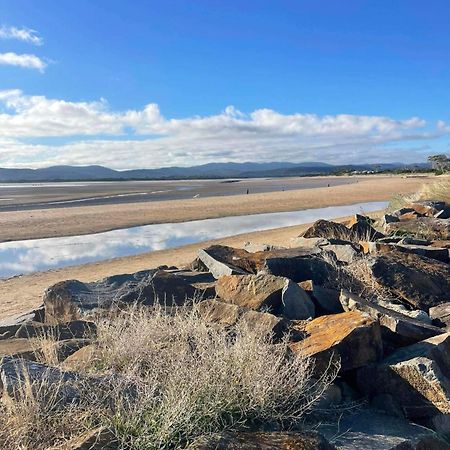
371 430
440 254
406 329
415 377
217 267
73 300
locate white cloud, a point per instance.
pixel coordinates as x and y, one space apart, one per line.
145 138
24 60
21 34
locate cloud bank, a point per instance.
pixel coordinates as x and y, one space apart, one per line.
91 133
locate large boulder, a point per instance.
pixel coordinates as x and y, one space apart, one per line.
419 281
370 429
298 264
262 441
266 292
360 229
397 328
10 325
59 332
73 300
414 378
352 337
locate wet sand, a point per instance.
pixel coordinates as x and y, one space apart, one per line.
34 224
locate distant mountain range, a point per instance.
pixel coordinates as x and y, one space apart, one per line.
212 170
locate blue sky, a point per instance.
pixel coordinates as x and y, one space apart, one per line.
161 83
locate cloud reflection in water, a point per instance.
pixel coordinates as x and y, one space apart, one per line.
21 257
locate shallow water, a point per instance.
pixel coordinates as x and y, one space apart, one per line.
20 257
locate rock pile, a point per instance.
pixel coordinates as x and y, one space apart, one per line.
389 331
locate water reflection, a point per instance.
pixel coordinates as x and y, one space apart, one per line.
21 257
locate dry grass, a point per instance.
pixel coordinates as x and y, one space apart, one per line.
189 379
440 190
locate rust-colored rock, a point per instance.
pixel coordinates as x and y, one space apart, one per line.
260 292
354 337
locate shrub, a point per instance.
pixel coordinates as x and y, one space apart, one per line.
189 378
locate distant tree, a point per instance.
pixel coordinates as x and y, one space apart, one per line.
440 163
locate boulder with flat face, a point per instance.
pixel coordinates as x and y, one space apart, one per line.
352 337
266 292
398 328
298 264
73 300
416 378
419 281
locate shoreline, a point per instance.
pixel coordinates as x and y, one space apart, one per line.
82 220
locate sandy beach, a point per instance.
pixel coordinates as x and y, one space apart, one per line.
34 224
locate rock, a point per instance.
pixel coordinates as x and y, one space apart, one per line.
215 265
19 348
67 387
15 373
406 330
295 302
440 254
34 349
441 314
73 300
415 378
326 300
388 218
225 314
80 359
419 281
259 292
70 330
97 439
426 208
228 315
344 253
409 216
359 230
298 264
371 430
299 268
428 227
352 336
10 325
262 441
443 213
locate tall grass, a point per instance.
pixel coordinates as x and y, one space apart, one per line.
189 378
439 190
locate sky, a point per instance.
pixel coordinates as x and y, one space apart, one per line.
147 84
